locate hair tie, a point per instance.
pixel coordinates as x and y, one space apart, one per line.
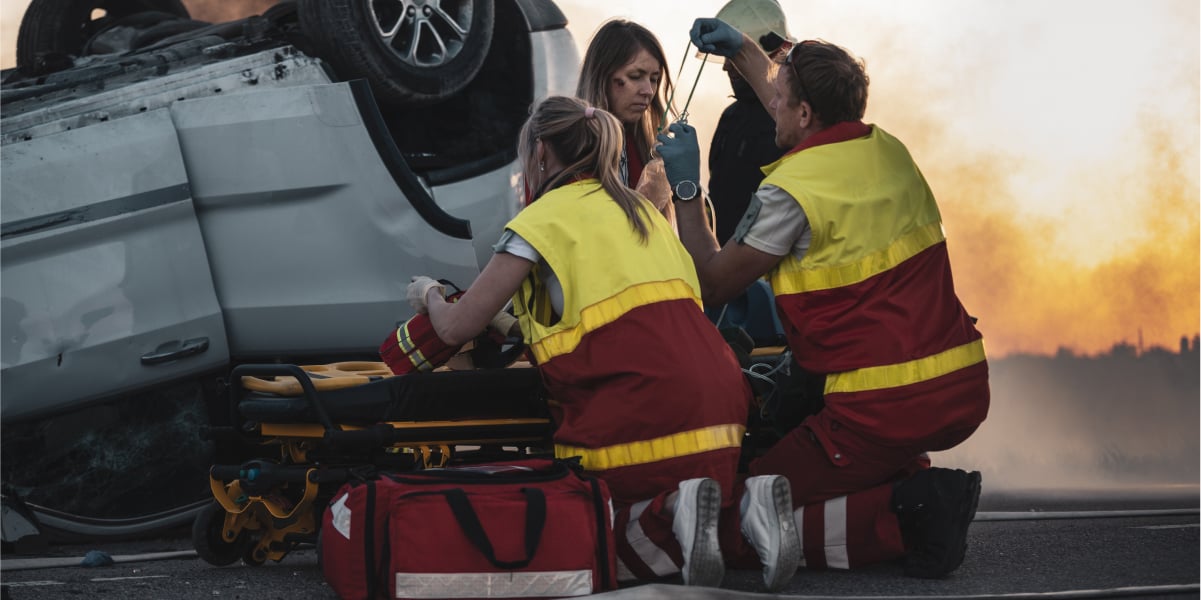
590 112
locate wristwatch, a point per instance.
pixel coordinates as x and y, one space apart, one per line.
685 191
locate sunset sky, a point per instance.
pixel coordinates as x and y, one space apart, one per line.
1060 137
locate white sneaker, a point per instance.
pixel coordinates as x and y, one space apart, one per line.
769 526
694 524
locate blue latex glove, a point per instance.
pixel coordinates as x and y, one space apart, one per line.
681 154
716 37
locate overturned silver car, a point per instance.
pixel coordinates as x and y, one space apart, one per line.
180 197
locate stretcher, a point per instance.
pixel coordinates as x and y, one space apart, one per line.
321 426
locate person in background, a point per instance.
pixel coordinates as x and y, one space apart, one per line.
745 137
744 141
625 73
848 231
642 387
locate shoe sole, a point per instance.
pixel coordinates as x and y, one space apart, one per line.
705 566
790 541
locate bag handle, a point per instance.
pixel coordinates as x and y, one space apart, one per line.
535 520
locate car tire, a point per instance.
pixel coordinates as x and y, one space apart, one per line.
63 27
412 53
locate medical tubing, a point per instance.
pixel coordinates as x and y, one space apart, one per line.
684 113
672 97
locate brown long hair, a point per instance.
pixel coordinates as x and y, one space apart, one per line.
585 145
613 46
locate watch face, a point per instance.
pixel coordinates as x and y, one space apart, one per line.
686 190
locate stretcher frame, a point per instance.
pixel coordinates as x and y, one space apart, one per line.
330 424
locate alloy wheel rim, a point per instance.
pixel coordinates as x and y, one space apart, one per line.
423 33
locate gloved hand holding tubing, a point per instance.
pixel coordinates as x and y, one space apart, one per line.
715 36
681 154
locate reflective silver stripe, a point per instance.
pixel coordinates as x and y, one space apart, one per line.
799 516
524 584
341 515
655 558
836 534
409 347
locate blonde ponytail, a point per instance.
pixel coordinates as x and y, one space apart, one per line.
587 140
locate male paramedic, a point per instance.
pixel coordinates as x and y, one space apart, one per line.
850 237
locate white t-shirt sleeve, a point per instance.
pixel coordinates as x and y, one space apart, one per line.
516 245
780 227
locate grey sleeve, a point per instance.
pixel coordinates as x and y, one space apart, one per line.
516 245
774 223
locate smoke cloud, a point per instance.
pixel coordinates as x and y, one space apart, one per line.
1116 421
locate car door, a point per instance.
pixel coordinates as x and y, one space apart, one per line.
105 282
313 221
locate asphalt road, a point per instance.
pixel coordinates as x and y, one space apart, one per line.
1014 549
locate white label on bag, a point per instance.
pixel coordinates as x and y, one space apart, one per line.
519 584
341 516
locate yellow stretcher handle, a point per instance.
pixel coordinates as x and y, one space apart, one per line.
333 376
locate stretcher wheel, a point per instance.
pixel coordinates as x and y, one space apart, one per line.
208 541
253 556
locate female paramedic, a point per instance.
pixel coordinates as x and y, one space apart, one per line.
625 73
643 387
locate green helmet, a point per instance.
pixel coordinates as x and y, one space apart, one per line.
757 19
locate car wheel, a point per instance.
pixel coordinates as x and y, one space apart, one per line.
63 27
412 52
208 541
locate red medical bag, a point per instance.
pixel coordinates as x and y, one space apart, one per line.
532 528
415 346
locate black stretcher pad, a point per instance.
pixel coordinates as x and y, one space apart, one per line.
437 396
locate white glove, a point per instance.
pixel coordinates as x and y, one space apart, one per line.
419 289
505 324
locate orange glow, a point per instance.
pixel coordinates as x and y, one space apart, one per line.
1030 298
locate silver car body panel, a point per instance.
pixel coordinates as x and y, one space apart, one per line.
265 223
279 67
102 265
311 242
557 63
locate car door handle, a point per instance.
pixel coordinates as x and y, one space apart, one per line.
175 350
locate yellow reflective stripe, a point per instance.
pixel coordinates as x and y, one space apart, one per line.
914 371
402 338
684 443
609 310
800 278
410 349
